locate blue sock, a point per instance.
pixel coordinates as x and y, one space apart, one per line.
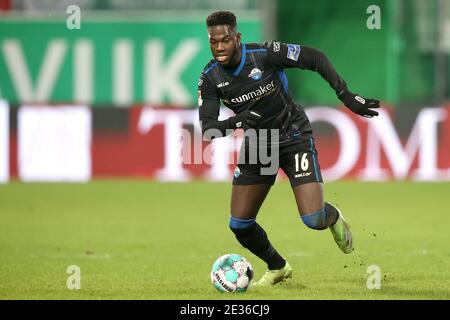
322 219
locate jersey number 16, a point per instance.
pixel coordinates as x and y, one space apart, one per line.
302 163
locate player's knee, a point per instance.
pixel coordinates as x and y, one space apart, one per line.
316 220
241 226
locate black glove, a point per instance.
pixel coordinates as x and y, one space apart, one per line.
359 104
245 120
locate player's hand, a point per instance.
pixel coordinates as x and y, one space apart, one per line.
359 105
246 119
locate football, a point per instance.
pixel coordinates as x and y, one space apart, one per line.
231 273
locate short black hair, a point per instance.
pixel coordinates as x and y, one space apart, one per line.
219 18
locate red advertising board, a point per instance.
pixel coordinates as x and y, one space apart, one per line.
166 144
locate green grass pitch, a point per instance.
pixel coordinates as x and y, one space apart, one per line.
146 240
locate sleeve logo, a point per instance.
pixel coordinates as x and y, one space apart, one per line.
276 46
293 52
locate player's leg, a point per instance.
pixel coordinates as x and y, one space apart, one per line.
246 201
251 184
301 165
319 215
313 211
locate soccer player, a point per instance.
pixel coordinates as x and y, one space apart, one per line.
250 80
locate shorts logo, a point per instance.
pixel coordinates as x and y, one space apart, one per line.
200 82
276 46
303 174
200 100
255 74
293 52
237 172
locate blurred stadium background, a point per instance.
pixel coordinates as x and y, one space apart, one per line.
110 97
115 94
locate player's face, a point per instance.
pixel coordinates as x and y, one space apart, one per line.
224 42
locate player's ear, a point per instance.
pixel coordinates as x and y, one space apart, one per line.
238 38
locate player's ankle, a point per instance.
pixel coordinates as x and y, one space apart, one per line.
276 265
332 213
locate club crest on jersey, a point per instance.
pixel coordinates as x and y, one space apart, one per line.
255 74
276 46
293 52
237 172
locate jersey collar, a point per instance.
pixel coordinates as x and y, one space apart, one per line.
241 64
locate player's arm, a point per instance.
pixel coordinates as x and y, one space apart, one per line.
296 56
209 108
